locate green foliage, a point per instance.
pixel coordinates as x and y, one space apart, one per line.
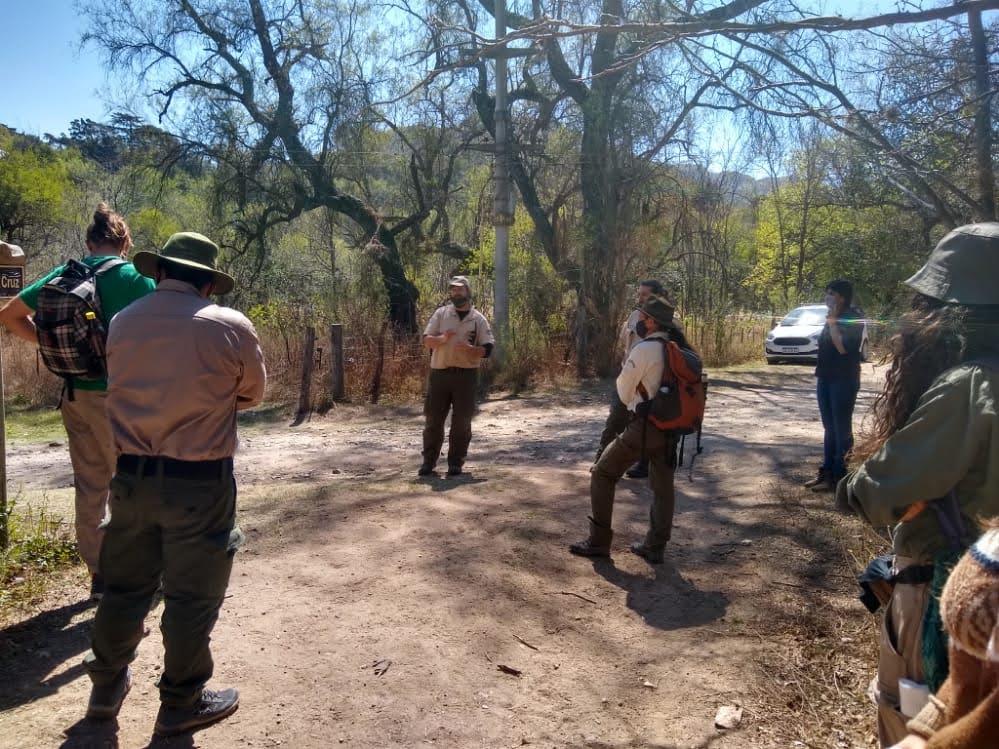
34 182
801 243
38 545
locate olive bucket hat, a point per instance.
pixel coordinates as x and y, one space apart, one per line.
190 249
660 310
963 268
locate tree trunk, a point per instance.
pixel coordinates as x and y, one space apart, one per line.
983 120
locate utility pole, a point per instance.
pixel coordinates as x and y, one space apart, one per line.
502 192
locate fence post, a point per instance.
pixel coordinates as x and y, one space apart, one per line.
376 380
337 382
308 362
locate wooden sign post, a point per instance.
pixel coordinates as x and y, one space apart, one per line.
11 283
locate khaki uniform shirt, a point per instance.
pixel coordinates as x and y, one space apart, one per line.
474 330
627 338
950 442
644 365
179 367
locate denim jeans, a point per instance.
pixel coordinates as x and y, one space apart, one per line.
836 400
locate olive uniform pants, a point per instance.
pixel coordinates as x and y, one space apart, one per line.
660 449
451 389
617 421
171 520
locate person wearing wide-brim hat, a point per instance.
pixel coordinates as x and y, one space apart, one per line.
933 447
179 368
641 374
190 250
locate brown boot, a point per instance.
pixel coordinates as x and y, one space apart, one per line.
821 477
597 545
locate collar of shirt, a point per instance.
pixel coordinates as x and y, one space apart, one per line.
172 284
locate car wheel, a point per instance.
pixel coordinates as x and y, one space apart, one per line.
773 360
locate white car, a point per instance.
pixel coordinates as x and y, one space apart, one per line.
796 337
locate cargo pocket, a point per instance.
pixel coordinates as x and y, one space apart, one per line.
120 506
891 668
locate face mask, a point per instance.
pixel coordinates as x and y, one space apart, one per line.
641 328
459 301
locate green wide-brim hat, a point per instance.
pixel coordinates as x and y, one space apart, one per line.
963 268
186 248
660 309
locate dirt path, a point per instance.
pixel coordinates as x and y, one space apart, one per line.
371 609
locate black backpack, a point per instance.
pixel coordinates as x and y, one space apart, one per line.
72 334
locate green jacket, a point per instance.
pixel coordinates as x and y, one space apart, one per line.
951 441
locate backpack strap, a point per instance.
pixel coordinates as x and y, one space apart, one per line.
105 265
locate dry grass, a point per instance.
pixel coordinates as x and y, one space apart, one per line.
532 362
728 340
820 644
27 383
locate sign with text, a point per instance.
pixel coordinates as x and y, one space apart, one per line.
11 280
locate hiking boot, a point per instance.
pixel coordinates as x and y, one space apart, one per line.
211 707
820 478
824 486
589 549
105 699
425 470
650 555
638 471
454 470
96 587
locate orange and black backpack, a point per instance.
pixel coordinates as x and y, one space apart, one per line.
678 405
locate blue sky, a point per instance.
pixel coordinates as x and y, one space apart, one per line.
45 81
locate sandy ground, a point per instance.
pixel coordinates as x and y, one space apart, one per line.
373 609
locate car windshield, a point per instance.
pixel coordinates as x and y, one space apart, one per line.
805 316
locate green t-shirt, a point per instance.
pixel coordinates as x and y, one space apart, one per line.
117 288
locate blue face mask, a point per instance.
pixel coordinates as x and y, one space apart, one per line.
641 328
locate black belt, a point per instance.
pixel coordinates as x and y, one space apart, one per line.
150 465
457 369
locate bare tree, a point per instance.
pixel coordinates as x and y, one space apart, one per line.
267 90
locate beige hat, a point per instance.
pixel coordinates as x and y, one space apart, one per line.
461 281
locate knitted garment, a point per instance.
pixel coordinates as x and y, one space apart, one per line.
970 602
936 663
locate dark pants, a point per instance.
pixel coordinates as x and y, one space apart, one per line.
617 421
178 530
453 390
837 398
660 449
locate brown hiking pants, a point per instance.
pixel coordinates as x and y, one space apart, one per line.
451 389
92 453
660 449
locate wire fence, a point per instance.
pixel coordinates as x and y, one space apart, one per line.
377 366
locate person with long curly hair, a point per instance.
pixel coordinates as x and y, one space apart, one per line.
929 463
